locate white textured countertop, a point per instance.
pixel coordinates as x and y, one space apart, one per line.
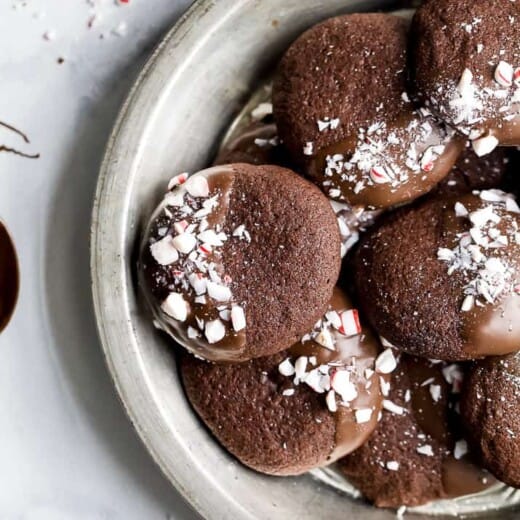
67 451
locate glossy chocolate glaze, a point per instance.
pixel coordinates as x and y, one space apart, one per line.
220 182
9 277
507 132
388 194
440 420
359 351
489 329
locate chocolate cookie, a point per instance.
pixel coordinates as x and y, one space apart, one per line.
240 261
416 453
293 411
343 112
440 279
490 407
466 59
472 172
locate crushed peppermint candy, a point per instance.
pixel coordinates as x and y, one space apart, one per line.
435 392
391 407
189 248
392 465
468 105
454 376
340 381
461 448
386 362
484 145
483 254
327 124
363 415
425 449
351 220
385 155
262 110
308 149
176 306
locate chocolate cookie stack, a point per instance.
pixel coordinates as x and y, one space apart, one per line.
363 306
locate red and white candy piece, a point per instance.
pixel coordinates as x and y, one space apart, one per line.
516 77
184 243
164 251
214 331
379 175
177 180
180 226
176 306
204 249
350 324
428 159
504 74
197 186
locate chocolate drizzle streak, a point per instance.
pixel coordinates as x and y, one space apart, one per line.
9 277
15 151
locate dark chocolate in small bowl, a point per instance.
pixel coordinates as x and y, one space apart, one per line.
9 277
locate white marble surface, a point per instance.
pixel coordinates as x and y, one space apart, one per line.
67 449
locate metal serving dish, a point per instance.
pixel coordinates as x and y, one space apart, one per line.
186 98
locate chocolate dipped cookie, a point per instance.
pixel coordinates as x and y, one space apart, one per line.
300 409
343 112
466 67
239 261
440 279
490 407
416 454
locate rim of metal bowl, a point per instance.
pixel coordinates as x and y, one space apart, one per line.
177 33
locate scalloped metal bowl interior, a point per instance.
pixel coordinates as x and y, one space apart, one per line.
186 97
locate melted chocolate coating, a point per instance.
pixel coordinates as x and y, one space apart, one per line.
490 328
269 269
364 349
411 299
409 459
